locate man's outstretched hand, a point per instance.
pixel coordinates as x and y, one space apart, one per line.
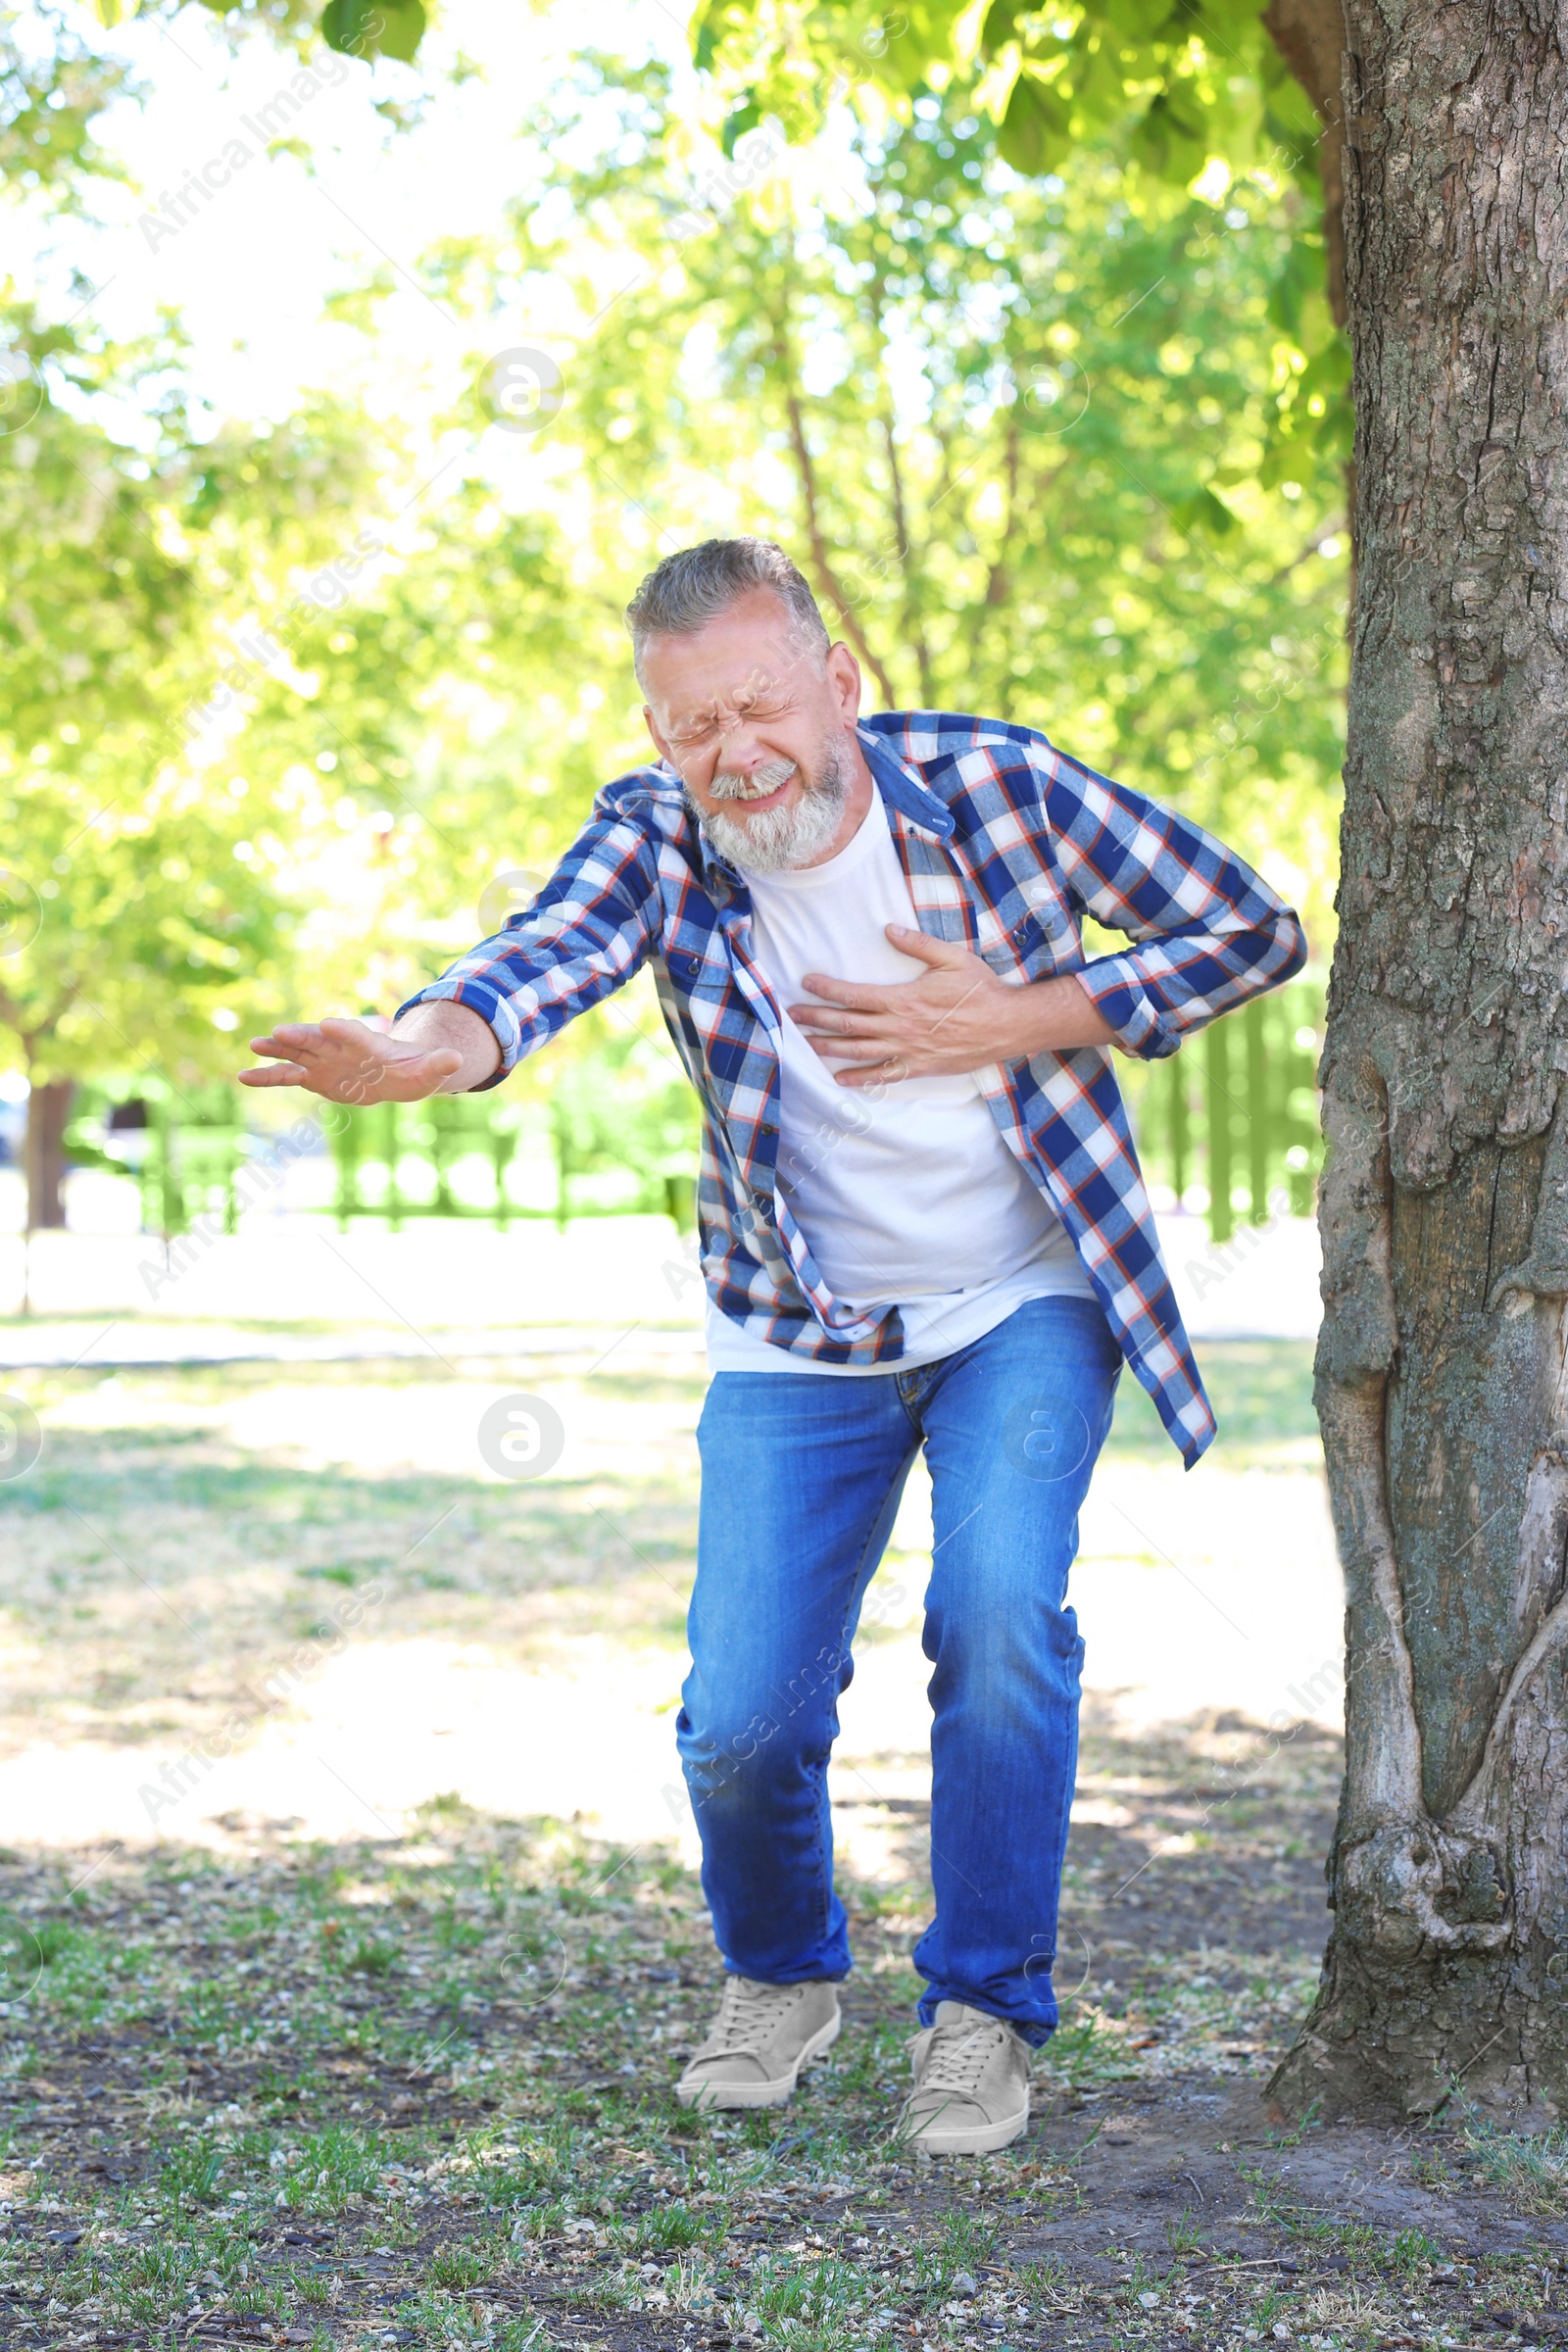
435 1048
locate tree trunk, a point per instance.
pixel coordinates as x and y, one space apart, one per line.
44 1151
1444 1211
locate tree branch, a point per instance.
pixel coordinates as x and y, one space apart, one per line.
1473 1808
999 586
1359 1344
1383 1768
1326 530
900 525
1309 35
1540 1547
821 562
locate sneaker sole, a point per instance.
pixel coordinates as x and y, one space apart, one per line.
980 2140
774 2094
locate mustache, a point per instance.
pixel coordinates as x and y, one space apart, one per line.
727 786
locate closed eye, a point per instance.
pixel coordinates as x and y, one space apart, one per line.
701 731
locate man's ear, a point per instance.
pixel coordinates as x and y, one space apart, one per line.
844 671
659 745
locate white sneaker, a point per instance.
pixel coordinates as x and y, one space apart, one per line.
759 2043
971 2085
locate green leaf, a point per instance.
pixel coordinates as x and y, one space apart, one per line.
1001 24
1173 137
1297 300
1328 371
1034 132
346 25
402 31
1144 19
744 117
1204 512
1226 24
374 27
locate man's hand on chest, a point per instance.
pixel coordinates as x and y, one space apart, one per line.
957 1017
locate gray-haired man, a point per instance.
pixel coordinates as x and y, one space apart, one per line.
923 1228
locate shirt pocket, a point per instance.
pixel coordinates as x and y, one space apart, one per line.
1041 939
701 969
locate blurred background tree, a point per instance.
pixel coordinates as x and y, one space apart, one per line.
144 911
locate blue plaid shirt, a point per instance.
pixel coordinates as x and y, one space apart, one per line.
1006 842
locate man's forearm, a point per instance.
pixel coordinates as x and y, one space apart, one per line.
1055 1015
439 1024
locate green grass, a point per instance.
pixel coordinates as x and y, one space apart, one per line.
346 2100
1530 2169
294 2163
461 2267
336 2149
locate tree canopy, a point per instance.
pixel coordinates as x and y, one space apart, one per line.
1063 444
1066 448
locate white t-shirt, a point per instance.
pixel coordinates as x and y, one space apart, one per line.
907 1197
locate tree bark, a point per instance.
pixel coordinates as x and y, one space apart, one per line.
1441 1379
44 1152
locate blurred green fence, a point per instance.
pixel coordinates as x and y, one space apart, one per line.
1229 1124
410 1159
587 1149
185 1149
1228 1127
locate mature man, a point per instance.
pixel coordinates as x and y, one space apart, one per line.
922 1226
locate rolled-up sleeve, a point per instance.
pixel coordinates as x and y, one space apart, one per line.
1207 932
584 937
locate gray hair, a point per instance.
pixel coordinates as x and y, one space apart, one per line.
693 586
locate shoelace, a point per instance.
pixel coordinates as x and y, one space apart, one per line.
956 2056
746 2015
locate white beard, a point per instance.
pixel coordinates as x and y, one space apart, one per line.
779 839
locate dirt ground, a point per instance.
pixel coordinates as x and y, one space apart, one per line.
406 2080
417 2090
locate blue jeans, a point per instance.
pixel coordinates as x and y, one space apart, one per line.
802 1476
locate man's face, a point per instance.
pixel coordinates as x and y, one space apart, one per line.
761 730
